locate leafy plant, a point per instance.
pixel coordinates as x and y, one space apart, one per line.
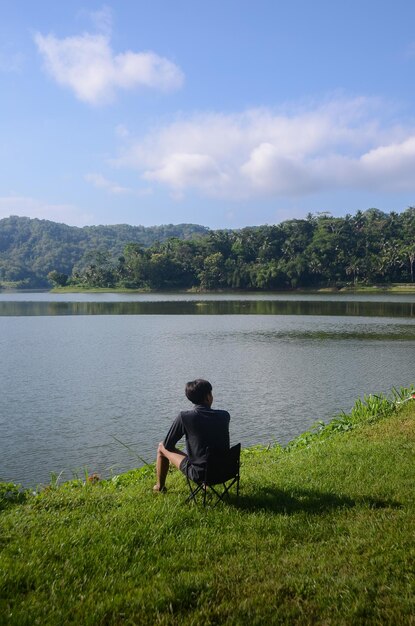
12 494
367 411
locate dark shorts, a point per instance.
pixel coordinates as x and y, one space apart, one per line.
193 472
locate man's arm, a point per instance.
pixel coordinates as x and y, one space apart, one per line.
175 433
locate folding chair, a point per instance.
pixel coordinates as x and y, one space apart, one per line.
222 468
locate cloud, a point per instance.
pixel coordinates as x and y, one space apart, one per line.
266 170
99 181
31 207
338 144
87 65
392 166
183 170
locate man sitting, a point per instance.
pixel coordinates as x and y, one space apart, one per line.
202 426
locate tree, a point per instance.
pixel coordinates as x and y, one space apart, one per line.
101 271
212 274
58 279
135 266
408 255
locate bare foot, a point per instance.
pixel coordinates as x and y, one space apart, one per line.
159 489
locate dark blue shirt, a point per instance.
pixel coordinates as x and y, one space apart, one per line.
203 428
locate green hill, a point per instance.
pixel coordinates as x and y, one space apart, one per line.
322 534
321 251
31 248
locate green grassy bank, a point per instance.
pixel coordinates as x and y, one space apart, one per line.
323 533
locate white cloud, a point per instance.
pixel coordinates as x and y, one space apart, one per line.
183 170
89 67
343 144
31 207
267 170
392 166
99 181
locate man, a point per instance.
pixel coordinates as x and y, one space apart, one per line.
202 426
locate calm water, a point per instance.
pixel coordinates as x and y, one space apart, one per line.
77 370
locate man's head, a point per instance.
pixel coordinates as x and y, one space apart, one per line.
199 391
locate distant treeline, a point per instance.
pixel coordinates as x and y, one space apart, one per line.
369 247
31 248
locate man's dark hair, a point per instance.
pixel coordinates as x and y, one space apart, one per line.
197 390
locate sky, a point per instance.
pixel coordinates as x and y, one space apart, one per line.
226 113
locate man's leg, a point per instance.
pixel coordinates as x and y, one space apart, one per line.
164 458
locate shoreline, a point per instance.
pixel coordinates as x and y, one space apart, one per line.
391 288
349 289
372 408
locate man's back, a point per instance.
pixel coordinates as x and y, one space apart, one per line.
205 428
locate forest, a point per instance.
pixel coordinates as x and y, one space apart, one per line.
369 247
31 248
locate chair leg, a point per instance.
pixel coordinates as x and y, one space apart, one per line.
220 497
225 493
193 492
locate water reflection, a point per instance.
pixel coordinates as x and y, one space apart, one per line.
211 307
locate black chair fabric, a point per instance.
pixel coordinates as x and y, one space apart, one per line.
222 468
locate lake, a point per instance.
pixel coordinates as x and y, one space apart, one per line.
79 371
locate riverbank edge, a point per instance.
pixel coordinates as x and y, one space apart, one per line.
353 289
367 289
366 411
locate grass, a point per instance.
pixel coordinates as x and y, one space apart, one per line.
80 289
389 288
359 288
323 533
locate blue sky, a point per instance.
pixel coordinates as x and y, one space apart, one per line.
225 113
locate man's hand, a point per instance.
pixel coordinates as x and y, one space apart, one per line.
161 449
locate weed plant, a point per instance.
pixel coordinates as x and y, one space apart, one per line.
323 533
